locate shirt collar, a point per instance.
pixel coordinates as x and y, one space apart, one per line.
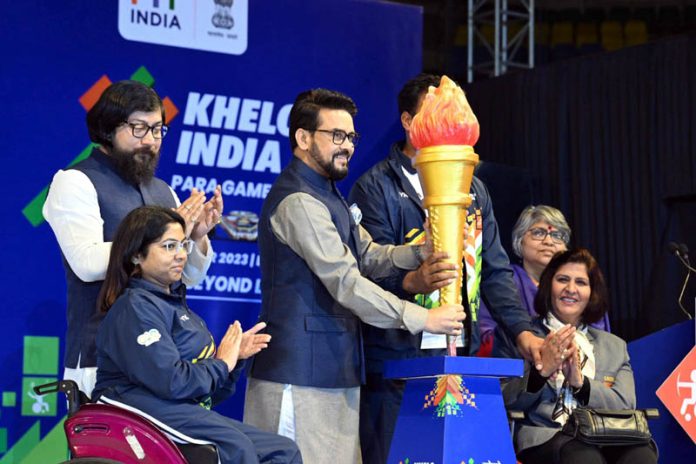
404 161
553 323
310 174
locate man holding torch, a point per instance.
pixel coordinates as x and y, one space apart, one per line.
315 264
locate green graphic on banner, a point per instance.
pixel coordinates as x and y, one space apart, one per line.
33 210
53 447
34 404
23 446
30 449
144 76
9 399
40 355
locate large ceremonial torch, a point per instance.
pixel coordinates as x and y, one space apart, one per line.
444 132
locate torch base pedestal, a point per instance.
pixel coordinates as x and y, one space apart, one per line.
452 411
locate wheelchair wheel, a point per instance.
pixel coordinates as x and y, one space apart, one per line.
91 461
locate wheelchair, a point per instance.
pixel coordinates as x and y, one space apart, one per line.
106 434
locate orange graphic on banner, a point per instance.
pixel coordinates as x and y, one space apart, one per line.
90 97
678 393
170 110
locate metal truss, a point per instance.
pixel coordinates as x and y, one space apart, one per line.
494 59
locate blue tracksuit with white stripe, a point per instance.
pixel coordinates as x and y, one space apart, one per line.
155 355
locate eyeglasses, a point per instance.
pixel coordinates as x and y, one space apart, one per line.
173 247
540 234
140 130
340 136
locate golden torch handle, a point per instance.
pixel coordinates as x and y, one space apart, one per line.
447 224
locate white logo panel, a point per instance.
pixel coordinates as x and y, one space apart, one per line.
210 25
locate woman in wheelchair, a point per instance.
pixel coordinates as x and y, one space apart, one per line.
157 358
582 365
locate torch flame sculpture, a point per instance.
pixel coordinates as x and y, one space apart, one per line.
444 132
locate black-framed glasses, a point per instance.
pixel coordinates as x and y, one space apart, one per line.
539 234
140 130
173 247
339 136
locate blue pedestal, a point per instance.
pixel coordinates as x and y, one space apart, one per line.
452 411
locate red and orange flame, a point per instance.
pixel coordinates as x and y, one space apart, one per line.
445 118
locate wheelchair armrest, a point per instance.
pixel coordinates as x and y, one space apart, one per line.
75 397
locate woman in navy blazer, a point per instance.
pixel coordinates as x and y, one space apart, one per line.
581 366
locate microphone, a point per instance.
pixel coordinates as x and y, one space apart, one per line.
673 247
684 250
681 251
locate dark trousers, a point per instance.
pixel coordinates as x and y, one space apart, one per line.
380 400
560 450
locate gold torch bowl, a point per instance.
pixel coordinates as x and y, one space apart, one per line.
445 172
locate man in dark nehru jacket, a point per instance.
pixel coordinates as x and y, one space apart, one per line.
390 197
87 202
315 260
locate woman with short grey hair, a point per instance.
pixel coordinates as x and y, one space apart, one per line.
540 232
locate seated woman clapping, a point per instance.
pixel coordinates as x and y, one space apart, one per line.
157 358
582 365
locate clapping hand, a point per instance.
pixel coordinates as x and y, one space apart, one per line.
556 348
228 349
191 210
200 215
253 342
572 367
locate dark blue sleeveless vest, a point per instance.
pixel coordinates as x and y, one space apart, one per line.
316 341
116 198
